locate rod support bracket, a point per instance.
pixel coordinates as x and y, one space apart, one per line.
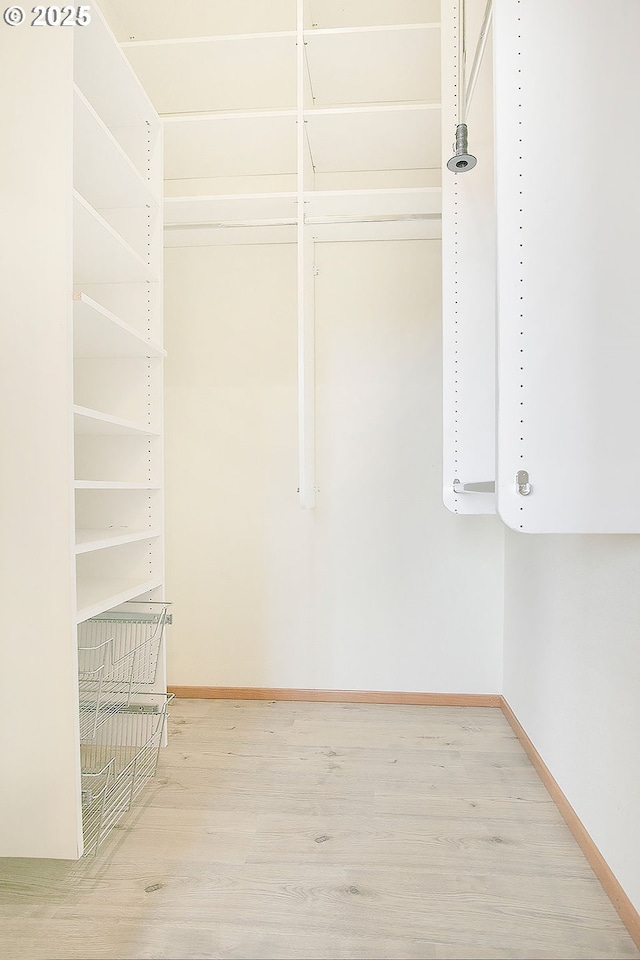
462 161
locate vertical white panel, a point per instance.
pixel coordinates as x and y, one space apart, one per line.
468 265
39 755
568 239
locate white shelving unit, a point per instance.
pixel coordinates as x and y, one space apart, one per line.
325 128
117 329
367 92
83 363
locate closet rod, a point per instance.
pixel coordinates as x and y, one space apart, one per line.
477 60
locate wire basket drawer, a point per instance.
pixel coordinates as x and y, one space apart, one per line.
118 656
119 764
122 646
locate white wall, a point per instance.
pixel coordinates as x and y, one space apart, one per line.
379 587
572 676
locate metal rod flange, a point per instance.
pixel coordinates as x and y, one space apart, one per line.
462 159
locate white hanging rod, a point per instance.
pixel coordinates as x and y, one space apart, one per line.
477 59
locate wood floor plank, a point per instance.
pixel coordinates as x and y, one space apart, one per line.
318 830
434 806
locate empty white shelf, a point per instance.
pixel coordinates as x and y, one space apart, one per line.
229 235
95 595
377 230
230 145
403 137
247 71
102 171
384 204
245 218
87 421
114 485
231 209
120 100
363 13
150 20
386 64
99 333
100 255
90 540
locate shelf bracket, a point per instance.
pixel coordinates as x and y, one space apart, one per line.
479 486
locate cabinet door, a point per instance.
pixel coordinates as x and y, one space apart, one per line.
568 199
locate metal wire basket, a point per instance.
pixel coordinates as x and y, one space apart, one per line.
118 656
119 764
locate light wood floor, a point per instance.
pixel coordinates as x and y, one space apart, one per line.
284 830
